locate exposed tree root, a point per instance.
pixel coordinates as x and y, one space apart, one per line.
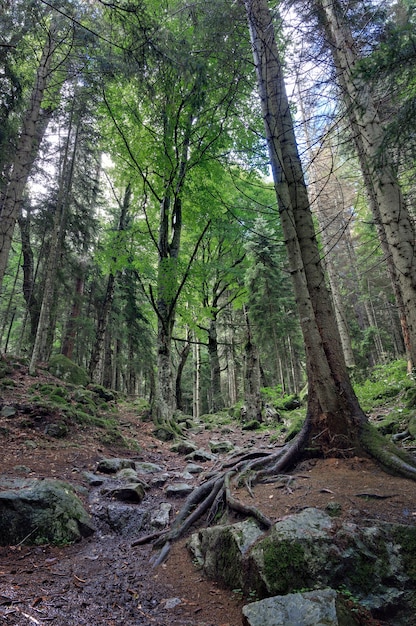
214 496
391 458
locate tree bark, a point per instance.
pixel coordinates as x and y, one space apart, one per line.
33 128
334 417
217 400
105 308
391 211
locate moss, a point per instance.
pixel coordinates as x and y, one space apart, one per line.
8 382
284 566
229 561
406 537
392 458
62 367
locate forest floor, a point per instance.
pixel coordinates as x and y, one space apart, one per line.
103 580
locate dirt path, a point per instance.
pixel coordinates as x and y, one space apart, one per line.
103 580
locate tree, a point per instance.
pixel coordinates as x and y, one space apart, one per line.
390 210
179 113
335 424
33 128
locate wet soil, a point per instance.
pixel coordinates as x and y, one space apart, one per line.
105 580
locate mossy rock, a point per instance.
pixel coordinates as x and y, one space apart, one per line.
42 511
108 395
252 425
65 369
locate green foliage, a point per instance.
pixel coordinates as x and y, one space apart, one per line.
384 383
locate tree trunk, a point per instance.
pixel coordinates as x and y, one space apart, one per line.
334 417
45 329
217 400
32 304
71 329
392 212
252 399
183 357
196 411
105 308
34 125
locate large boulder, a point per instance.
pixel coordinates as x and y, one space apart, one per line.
221 550
312 608
310 550
65 369
42 511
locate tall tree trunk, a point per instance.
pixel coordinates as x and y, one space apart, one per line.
196 411
34 125
252 399
97 352
45 328
32 304
334 417
68 343
217 400
183 357
391 211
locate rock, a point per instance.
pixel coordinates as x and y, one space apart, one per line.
112 466
132 492
42 511
8 411
177 490
170 603
200 455
93 479
65 369
125 519
219 550
160 517
252 425
127 473
183 447
312 608
193 468
376 564
57 430
221 447
164 434
147 468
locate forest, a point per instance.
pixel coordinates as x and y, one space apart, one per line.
207 280
207 205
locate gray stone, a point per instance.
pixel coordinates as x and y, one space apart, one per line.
201 456
310 550
112 466
127 473
42 511
93 479
125 519
221 447
177 490
131 492
193 468
160 517
183 447
143 467
312 608
219 550
170 603
8 411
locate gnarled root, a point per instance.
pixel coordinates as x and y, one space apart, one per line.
390 457
215 495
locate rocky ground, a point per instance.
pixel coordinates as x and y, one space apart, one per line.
106 580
